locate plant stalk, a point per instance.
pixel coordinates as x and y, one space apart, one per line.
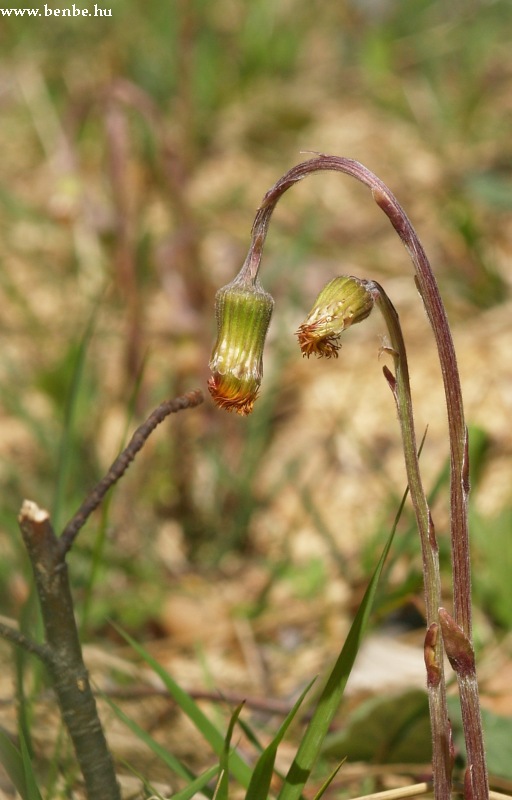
434 651
62 652
67 669
122 462
459 463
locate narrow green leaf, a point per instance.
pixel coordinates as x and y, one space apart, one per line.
264 768
31 625
54 762
328 782
66 446
190 791
222 790
250 735
239 768
197 785
169 760
152 792
31 790
332 693
18 765
11 760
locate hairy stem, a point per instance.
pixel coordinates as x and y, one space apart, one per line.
434 651
430 294
459 472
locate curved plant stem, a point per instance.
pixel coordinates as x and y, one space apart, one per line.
459 482
431 297
121 464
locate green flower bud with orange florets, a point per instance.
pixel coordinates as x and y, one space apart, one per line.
243 311
341 303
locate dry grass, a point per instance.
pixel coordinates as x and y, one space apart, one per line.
237 549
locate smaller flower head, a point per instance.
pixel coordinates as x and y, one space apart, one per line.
243 312
343 302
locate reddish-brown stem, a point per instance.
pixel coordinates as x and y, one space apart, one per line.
429 291
459 482
433 649
122 462
459 650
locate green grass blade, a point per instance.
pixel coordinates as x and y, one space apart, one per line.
251 736
332 693
150 790
239 768
222 789
264 768
32 792
11 760
54 761
190 791
197 785
18 765
66 443
169 760
328 782
21 659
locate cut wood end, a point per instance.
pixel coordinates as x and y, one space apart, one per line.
31 511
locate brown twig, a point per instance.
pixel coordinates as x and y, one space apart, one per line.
122 462
13 635
65 662
62 652
268 705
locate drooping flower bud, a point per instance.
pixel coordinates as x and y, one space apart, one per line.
341 303
243 312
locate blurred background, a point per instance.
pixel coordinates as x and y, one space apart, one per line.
135 149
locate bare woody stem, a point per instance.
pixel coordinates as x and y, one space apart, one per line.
459 474
61 652
16 637
122 462
66 666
